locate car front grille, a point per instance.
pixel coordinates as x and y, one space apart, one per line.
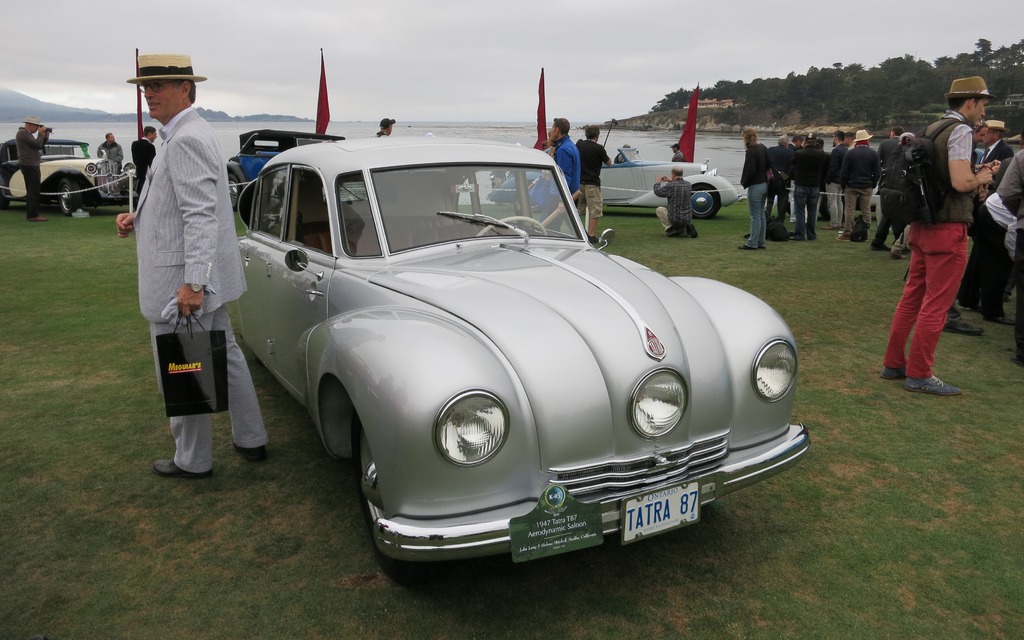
614 479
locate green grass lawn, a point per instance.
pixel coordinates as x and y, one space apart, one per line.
904 520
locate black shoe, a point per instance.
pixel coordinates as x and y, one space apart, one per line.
793 236
972 307
252 454
167 469
747 247
879 247
963 328
691 230
1000 320
1017 360
673 232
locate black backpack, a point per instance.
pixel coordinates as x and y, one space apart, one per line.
776 230
911 189
859 233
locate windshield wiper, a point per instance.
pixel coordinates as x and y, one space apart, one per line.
481 219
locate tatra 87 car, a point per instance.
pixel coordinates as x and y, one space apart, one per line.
504 386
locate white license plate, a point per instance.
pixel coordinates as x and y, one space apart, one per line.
660 511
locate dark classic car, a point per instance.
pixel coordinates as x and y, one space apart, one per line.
256 148
505 387
70 178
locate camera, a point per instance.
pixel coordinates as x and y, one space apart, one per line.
48 129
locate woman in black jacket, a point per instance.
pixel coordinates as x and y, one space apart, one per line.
754 179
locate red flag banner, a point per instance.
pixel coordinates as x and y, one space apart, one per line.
542 119
323 109
688 140
138 96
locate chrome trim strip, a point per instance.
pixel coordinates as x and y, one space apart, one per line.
641 325
420 541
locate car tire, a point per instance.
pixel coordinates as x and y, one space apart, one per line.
705 201
402 572
68 200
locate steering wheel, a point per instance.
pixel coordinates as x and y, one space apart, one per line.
531 226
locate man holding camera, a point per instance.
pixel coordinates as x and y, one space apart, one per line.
31 139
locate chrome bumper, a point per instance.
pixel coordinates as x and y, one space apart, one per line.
421 541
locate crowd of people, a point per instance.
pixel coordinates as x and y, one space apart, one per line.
979 180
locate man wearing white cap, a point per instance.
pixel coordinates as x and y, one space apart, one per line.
31 139
188 255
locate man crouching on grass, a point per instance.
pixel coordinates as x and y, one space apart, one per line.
188 256
678 217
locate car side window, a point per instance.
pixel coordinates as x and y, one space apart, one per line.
358 230
273 202
308 222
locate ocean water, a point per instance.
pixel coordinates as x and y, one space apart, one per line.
724 152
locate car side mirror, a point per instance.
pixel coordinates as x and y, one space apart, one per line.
298 261
606 238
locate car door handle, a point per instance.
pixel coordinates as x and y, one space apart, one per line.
315 293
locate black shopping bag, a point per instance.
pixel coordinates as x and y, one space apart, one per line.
193 371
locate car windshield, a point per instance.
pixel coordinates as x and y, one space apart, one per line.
421 206
66 150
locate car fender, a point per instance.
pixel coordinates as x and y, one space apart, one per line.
398 397
746 324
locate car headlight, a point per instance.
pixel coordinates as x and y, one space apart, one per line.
471 428
774 370
91 169
658 403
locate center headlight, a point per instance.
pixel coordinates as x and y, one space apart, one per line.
658 403
471 428
774 370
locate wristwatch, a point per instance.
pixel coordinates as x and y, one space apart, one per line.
196 288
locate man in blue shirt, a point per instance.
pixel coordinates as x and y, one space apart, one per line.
567 156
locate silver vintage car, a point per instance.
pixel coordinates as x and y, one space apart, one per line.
505 387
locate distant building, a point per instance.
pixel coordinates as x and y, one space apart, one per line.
715 104
1014 99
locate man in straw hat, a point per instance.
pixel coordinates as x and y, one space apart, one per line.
858 178
31 139
992 133
939 250
188 257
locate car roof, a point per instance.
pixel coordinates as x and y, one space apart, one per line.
53 141
383 152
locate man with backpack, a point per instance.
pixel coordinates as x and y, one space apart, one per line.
858 177
939 245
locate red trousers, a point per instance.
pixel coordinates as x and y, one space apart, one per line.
937 259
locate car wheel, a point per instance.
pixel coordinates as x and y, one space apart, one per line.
401 571
705 202
5 202
68 200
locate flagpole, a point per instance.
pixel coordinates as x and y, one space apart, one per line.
138 96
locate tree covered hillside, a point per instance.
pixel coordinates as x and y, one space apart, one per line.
897 91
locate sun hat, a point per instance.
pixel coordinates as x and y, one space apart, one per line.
973 87
861 135
155 67
995 125
33 120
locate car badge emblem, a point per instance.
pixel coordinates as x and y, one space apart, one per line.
653 345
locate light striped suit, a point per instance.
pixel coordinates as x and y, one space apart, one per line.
185 232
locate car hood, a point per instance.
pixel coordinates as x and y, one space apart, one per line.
578 328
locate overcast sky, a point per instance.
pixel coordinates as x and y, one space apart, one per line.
452 60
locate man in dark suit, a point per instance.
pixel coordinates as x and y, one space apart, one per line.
188 256
995 148
885 149
143 152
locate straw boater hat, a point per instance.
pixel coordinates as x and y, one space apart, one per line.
862 135
973 87
157 67
996 125
33 120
